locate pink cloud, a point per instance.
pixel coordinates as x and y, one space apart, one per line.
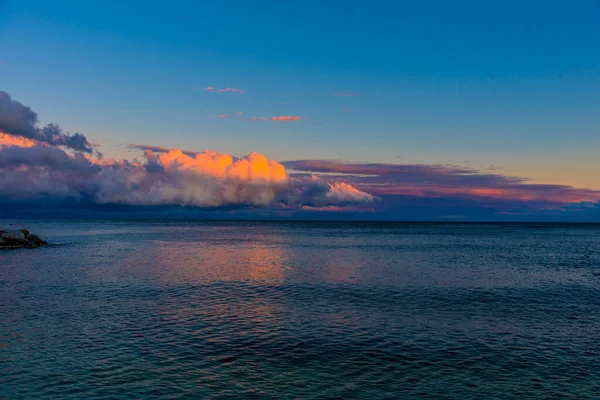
287 118
279 118
346 110
239 113
223 116
344 94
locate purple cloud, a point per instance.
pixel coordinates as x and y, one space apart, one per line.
424 180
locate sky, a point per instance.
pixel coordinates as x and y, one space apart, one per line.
460 105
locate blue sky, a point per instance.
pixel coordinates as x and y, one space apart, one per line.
514 84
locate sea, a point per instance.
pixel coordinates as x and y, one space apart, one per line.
300 310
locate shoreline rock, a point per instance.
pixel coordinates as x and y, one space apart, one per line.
19 239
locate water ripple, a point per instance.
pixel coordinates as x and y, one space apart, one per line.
372 312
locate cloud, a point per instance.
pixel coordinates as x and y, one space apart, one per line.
210 180
21 121
442 180
346 110
313 191
279 118
224 90
344 94
10 140
230 90
159 149
287 118
223 116
53 157
165 177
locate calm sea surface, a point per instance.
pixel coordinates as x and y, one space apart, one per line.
207 310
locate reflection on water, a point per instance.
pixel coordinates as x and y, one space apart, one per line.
191 262
284 310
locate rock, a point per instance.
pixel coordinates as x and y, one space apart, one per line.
15 237
5 244
22 238
35 239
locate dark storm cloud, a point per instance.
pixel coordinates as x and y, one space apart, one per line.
19 120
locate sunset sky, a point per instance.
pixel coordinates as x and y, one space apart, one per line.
435 109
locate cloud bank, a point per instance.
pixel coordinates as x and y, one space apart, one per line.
171 177
45 162
443 180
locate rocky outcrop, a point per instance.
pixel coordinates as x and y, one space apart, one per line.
22 238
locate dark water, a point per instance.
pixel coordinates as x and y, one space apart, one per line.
301 310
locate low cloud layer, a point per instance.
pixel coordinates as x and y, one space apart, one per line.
21 121
169 177
442 180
